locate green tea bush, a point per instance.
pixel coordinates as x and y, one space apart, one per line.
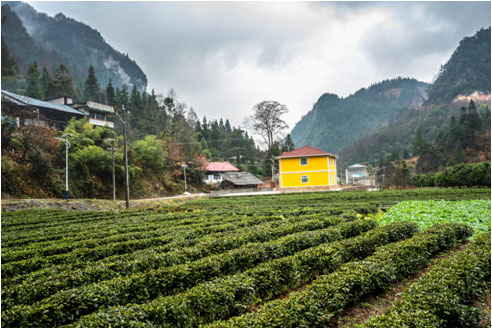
441 297
326 298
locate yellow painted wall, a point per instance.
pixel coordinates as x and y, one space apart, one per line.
294 179
318 163
294 164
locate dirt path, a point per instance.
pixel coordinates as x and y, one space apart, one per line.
482 303
94 204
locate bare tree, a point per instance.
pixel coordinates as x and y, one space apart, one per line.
267 121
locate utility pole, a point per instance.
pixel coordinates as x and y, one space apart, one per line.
113 149
67 146
127 187
273 168
184 173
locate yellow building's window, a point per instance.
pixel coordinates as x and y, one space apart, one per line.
304 179
303 160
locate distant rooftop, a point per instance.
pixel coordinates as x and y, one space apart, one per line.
356 166
220 167
28 101
305 151
242 178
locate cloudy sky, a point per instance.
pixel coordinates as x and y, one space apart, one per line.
222 58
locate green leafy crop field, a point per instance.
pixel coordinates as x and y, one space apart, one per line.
284 260
475 213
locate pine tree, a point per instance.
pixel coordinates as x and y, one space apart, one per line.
122 97
62 82
228 127
289 143
91 88
50 90
33 82
9 67
45 81
221 125
110 93
135 101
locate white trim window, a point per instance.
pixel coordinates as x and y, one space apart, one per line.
304 161
304 179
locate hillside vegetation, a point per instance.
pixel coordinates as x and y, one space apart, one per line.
467 70
334 122
441 122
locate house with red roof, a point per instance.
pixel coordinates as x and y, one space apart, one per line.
307 167
214 171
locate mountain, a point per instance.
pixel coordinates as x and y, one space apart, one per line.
51 41
467 70
465 77
334 122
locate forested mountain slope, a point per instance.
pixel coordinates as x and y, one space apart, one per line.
334 122
51 41
467 70
465 77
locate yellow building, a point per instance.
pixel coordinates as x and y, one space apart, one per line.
307 167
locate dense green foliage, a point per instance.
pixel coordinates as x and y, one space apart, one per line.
334 122
462 175
466 139
221 142
475 213
441 297
448 139
467 70
194 263
162 131
325 298
59 40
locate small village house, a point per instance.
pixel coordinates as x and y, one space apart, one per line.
54 112
30 111
358 174
240 180
99 114
307 167
214 172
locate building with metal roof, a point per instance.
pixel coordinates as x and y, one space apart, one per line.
240 180
29 110
357 174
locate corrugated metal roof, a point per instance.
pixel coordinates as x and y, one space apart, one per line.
305 151
241 178
24 100
356 165
220 167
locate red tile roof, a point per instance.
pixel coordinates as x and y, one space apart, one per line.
305 151
220 167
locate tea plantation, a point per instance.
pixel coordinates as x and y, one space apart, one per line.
290 260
